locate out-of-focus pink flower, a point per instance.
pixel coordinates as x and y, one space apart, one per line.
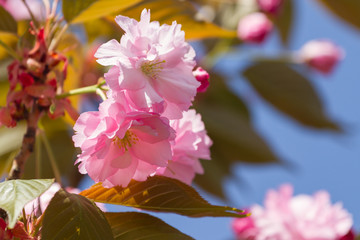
18 10
153 64
270 6
203 77
254 28
321 55
245 229
118 145
191 144
301 217
38 205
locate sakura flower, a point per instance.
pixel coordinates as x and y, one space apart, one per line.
19 11
254 28
300 217
203 77
153 64
270 6
38 205
322 55
191 144
119 145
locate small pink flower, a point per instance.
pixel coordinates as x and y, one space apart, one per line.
203 77
119 145
254 28
191 144
244 228
321 55
301 217
153 64
270 6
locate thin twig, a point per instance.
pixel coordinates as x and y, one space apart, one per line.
38 159
57 39
27 146
30 12
54 7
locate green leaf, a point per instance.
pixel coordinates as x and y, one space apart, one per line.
71 9
71 216
183 12
135 225
227 120
289 92
16 193
7 22
284 22
160 194
86 10
347 10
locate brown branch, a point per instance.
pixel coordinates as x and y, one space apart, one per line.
27 146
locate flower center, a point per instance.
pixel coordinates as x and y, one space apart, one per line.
127 141
152 68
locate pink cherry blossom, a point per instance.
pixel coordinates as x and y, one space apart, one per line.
254 28
300 217
203 77
18 10
270 6
191 144
119 145
321 55
153 64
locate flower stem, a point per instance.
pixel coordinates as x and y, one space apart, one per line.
27 146
38 159
51 156
83 90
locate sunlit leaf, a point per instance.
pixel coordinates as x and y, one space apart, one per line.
16 193
284 22
347 10
160 194
289 92
71 9
7 22
71 216
183 12
92 9
135 225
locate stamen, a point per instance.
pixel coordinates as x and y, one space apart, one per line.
152 68
127 141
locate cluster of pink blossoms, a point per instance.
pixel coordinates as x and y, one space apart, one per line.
300 217
145 126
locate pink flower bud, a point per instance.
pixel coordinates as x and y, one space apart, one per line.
321 55
203 77
254 28
270 6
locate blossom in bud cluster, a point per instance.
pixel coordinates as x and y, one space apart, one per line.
32 80
270 6
191 144
300 217
322 55
203 77
153 64
119 144
254 28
